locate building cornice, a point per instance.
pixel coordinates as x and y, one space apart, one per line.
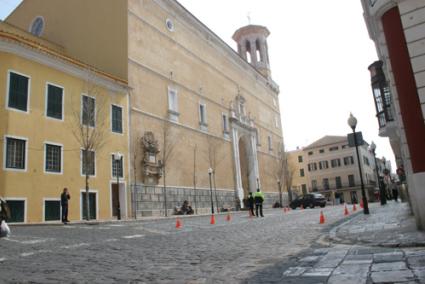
37 52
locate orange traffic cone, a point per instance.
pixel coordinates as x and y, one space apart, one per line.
361 203
346 213
322 218
228 217
178 223
354 207
212 222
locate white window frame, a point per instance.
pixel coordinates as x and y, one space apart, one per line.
122 119
82 109
46 97
81 163
44 158
8 89
43 217
173 104
24 199
112 169
5 151
81 202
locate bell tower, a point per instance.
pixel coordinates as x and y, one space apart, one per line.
252 46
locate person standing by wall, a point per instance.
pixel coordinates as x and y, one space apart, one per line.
251 204
64 203
258 199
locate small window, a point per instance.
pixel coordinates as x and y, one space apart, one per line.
366 161
37 26
348 160
321 151
170 25
88 162
54 102
310 153
323 165
338 182
314 185
18 92
302 172
52 210
118 167
334 148
173 105
351 181
15 153
202 114
116 119
53 159
88 111
304 188
300 159
336 163
225 121
269 140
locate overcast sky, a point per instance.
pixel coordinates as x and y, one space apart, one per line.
319 53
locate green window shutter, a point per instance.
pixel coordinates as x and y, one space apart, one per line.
54 101
116 119
18 92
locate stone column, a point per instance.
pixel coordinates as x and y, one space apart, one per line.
235 141
254 59
255 160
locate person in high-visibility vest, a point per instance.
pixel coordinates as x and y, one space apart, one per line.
258 199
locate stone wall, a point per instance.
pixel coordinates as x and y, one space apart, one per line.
149 200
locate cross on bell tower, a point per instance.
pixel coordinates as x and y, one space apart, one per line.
252 46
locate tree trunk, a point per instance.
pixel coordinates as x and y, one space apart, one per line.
215 193
165 195
87 198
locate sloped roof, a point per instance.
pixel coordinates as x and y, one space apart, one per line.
327 140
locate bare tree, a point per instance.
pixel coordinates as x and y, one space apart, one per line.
89 129
283 173
214 157
169 141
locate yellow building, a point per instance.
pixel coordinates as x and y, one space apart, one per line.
297 172
187 84
43 110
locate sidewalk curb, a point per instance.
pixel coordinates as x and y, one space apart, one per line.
143 219
333 238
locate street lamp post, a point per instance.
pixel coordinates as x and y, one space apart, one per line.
210 171
382 195
352 122
117 159
280 192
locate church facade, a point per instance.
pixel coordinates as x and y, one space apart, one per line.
204 119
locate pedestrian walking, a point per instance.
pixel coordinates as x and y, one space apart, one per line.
251 204
259 199
64 203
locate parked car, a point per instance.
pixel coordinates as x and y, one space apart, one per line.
309 200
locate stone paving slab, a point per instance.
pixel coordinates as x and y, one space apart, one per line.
388 266
388 256
392 276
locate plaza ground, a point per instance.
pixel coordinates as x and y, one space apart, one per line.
279 248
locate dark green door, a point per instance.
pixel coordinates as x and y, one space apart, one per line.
92 202
52 210
17 211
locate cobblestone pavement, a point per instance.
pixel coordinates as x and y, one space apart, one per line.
238 251
366 254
